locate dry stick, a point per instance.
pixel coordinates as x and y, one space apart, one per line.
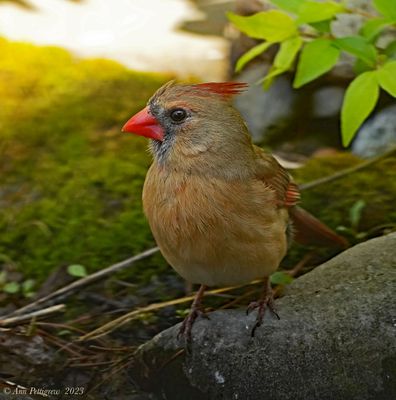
118 322
292 272
34 314
85 281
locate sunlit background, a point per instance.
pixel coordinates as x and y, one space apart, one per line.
141 34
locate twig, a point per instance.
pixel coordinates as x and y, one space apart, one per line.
91 364
239 299
347 171
301 264
361 12
68 289
292 272
34 314
70 348
124 319
118 322
58 326
116 369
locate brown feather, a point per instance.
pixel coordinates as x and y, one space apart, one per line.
306 228
276 177
309 230
215 231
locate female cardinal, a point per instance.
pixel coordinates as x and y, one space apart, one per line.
219 207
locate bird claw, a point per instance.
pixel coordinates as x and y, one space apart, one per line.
251 307
203 315
186 327
266 302
195 312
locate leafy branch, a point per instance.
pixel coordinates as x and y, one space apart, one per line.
303 31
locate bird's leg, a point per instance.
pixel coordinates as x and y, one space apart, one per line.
266 300
195 311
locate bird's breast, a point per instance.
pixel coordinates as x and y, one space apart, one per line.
213 231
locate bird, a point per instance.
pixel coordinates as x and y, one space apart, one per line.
222 210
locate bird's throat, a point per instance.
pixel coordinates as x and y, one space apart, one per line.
161 149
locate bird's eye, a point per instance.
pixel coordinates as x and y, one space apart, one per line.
178 115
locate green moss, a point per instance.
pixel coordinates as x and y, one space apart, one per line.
332 201
70 189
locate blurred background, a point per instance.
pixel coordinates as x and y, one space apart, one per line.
144 35
71 74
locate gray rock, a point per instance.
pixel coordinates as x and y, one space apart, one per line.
336 340
377 135
327 101
366 5
346 25
264 110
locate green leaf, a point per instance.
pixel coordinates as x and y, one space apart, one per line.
360 66
343 229
252 53
28 285
390 50
312 11
11 287
77 270
387 77
359 47
64 332
387 8
287 52
317 57
284 58
3 277
355 213
360 99
281 278
273 26
373 27
322 26
288 5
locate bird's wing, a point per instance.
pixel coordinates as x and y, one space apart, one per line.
277 178
306 228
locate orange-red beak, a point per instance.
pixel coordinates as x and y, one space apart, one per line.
144 124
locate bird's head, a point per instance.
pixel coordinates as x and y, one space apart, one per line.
185 121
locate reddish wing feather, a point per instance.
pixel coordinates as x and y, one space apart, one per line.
225 89
292 195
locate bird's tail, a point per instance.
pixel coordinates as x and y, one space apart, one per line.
309 230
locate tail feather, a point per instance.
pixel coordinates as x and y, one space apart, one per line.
309 230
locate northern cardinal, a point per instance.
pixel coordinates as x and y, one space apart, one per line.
221 209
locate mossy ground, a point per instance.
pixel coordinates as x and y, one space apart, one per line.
70 188
332 201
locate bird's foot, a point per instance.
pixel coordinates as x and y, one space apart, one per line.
186 327
267 301
195 312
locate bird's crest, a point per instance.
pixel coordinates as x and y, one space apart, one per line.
224 89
